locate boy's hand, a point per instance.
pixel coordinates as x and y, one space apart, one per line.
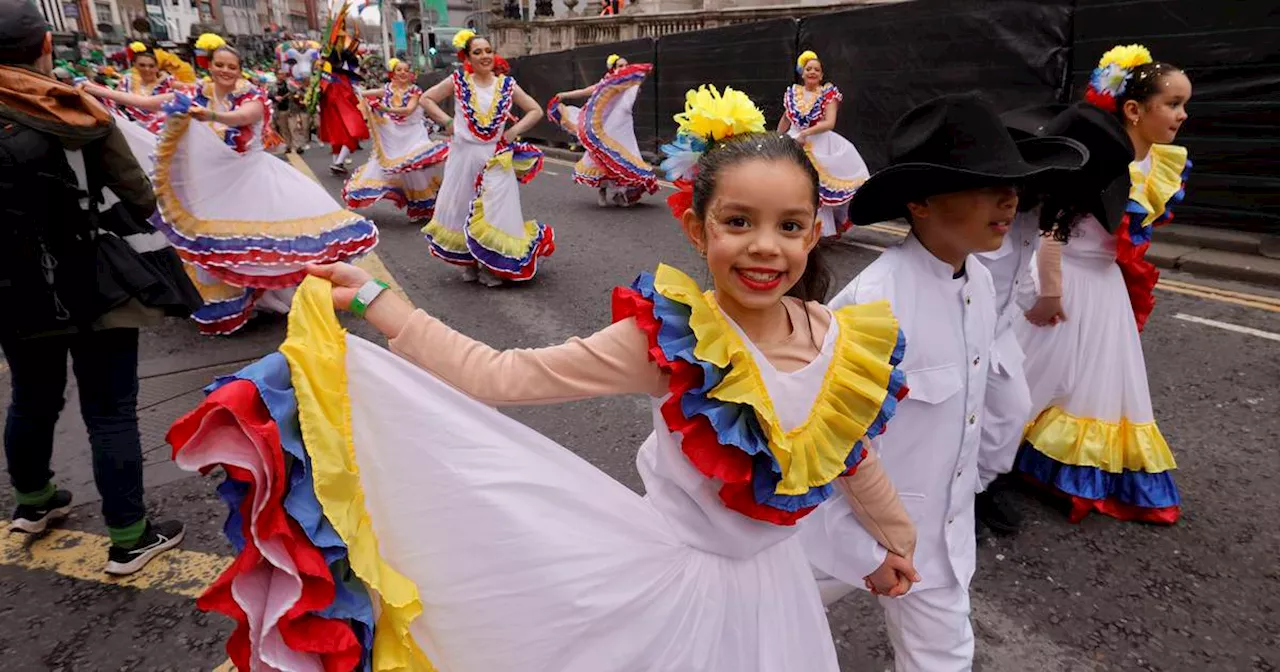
1047 312
894 577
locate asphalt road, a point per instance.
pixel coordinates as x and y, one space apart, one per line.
1101 595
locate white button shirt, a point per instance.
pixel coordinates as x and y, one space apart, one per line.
930 449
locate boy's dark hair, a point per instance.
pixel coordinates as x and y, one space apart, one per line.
722 154
1144 83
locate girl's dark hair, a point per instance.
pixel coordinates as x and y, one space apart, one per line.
149 53
1058 216
466 47
722 154
1144 83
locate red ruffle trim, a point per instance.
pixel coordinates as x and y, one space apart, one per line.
1080 507
699 441
1140 275
301 630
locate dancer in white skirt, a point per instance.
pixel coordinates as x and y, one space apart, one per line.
478 224
497 549
145 78
810 109
606 128
406 163
1094 437
245 222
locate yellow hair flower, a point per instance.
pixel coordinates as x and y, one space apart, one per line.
137 47
391 64
711 115
328 67
805 58
210 41
461 37
613 58
1127 56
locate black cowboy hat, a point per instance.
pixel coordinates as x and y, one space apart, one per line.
955 143
1102 184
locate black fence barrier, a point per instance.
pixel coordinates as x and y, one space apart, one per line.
887 59
1231 52
755 58
543 76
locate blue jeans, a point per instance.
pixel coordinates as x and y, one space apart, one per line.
106 368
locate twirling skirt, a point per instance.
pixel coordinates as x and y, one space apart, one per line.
841 171
405 166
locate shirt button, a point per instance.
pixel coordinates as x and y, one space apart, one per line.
966 299
976 360
973 419
1026 243
959 472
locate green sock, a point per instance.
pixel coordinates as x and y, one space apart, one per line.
129 535
37 498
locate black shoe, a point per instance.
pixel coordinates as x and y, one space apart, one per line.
36 519
994 509
337 169
158 538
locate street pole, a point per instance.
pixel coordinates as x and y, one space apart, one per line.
388 50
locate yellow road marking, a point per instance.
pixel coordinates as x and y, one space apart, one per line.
1244 299
369 262
228 666
81 555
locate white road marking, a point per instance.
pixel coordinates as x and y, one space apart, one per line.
550 172
1229 327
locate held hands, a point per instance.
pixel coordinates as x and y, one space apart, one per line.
1047 312
346 279
200 113
894 577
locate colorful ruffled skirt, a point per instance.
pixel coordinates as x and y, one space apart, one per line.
1095 438
841 171
481 544
405 166
606 128
247 223
478 219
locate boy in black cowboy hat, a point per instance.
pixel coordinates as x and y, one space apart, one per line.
1100 188
953 173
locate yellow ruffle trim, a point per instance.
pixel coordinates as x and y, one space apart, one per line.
449 239
854 388
1153 189
831 181
186 223
1114 447
316 350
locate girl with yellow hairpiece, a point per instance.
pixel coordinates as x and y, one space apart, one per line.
144 78
1094 438
246 223
498 549
612 163
809 116
405 164
478 224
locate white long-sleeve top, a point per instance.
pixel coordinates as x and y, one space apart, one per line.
931 447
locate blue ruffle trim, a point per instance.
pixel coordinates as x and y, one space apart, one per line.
358 228
1135 488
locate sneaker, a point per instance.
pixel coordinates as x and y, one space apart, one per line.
36 519
470 274
158 538
994 509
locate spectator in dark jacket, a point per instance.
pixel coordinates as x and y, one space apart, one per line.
72 283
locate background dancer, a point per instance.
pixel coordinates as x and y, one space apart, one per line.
810 110
244 221
342 126
1094 437
406 163
478 224
605 127
144 78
